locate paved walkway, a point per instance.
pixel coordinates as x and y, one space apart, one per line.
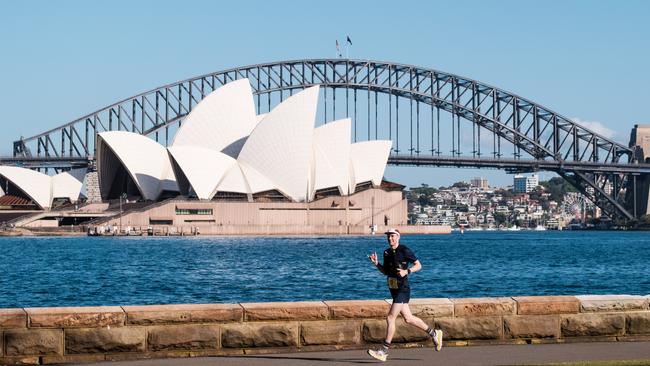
465 356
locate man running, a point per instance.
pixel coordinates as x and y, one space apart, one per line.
396 267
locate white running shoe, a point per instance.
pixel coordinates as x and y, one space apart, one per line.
437 339
379 354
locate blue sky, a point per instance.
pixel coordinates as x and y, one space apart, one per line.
584 59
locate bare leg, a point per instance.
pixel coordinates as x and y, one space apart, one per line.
413 320
395 310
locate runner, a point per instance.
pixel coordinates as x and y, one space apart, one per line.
396 267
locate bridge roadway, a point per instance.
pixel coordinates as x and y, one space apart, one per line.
609 353
512 165
52 162
518 165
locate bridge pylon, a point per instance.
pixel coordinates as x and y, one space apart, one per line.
637 199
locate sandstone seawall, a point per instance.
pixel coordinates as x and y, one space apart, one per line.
86 334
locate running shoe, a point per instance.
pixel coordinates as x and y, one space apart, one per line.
379 354
437 339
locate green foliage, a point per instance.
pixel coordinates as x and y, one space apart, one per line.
460 185
644 222
505 193
422 195
557 187
424 189
500 218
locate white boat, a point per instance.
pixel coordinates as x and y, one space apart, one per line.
514 228
540 228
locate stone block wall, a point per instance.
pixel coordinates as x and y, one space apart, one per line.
88 334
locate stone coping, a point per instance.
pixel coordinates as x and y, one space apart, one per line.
594 303
13 318
80 317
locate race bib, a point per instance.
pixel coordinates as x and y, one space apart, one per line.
392 283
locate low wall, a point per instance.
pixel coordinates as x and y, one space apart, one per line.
87 334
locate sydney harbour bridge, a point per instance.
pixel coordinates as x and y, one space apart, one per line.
434 118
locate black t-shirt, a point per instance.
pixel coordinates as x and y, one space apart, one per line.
400 258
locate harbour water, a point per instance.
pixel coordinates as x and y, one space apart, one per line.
80 271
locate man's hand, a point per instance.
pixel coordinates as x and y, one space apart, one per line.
373 258
402 272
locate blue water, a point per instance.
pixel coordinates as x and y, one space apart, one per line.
123 271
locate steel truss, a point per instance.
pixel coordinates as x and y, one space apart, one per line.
538 136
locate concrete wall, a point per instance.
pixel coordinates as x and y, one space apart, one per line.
332 215
61 335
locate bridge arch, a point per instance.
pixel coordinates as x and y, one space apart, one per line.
493 119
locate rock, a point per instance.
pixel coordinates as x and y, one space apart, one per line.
486 306
584 325
480 327
103 340
374 331
531 326
78 317
308 310
13 318
638 323
193 313
357 309
609 303
436 307
544 305
184 337
33 342
259 335
330 332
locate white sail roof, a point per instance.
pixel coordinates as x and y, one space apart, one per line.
37 186
234 181
332 155
369 160
280 147
146 161
68 184
204 168
256 181
222 118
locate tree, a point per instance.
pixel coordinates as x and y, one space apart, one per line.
460 185
644 222
500 218
424 200
557 187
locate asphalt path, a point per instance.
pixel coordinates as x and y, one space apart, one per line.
466 356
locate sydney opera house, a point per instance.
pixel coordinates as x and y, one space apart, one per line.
230 170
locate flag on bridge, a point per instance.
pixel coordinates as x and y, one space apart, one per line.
349 40
338 49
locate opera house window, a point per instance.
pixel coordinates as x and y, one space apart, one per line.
193 211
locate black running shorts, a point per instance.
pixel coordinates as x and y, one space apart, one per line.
401 295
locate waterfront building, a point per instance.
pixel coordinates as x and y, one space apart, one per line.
524 184
230 170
